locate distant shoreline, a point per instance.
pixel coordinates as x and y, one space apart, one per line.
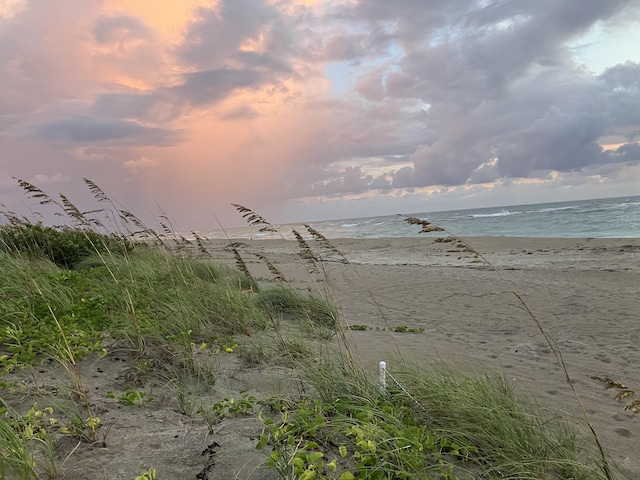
596 218
587 253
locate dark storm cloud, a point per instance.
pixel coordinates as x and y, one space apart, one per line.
133 105
624 76
87 130
262 60
157 107
414 18
550 122
219 33
343 47
242 113
473 55
621 87
502 93
629 151
210 86
213 47
353 180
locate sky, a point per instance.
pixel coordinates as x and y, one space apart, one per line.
305 110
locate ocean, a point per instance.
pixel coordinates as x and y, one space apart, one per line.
597 218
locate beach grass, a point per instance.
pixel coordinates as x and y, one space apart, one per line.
450 425
80 289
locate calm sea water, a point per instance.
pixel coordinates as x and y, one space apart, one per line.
603 218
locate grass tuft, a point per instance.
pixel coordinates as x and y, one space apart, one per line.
297 305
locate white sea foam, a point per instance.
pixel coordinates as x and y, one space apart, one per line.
606 218
501 213
556 209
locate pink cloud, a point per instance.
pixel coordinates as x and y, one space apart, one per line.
203 103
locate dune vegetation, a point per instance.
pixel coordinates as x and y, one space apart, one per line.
103 283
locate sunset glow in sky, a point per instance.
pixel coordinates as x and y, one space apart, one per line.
317 109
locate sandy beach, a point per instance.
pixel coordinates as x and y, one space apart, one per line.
416 302
584 292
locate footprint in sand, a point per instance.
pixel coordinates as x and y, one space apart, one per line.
623 432
602 357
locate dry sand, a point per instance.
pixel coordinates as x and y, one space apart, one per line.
585 293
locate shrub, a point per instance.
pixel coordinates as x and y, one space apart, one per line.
64 246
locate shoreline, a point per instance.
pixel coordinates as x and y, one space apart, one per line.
501 252
583 292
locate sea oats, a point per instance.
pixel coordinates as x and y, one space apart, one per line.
76 216
448 239
13 218
278 275
634 406
307 253
625 393
201 247
35 192
322 240
98 193
253 219
240 263
427 227
609 382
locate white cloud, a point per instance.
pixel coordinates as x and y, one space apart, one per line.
42 179
134 166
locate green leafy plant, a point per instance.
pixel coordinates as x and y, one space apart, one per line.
86 429
369 440
405 329
357 327
16 457
64 246
131 397
148 474
228 407
24 439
